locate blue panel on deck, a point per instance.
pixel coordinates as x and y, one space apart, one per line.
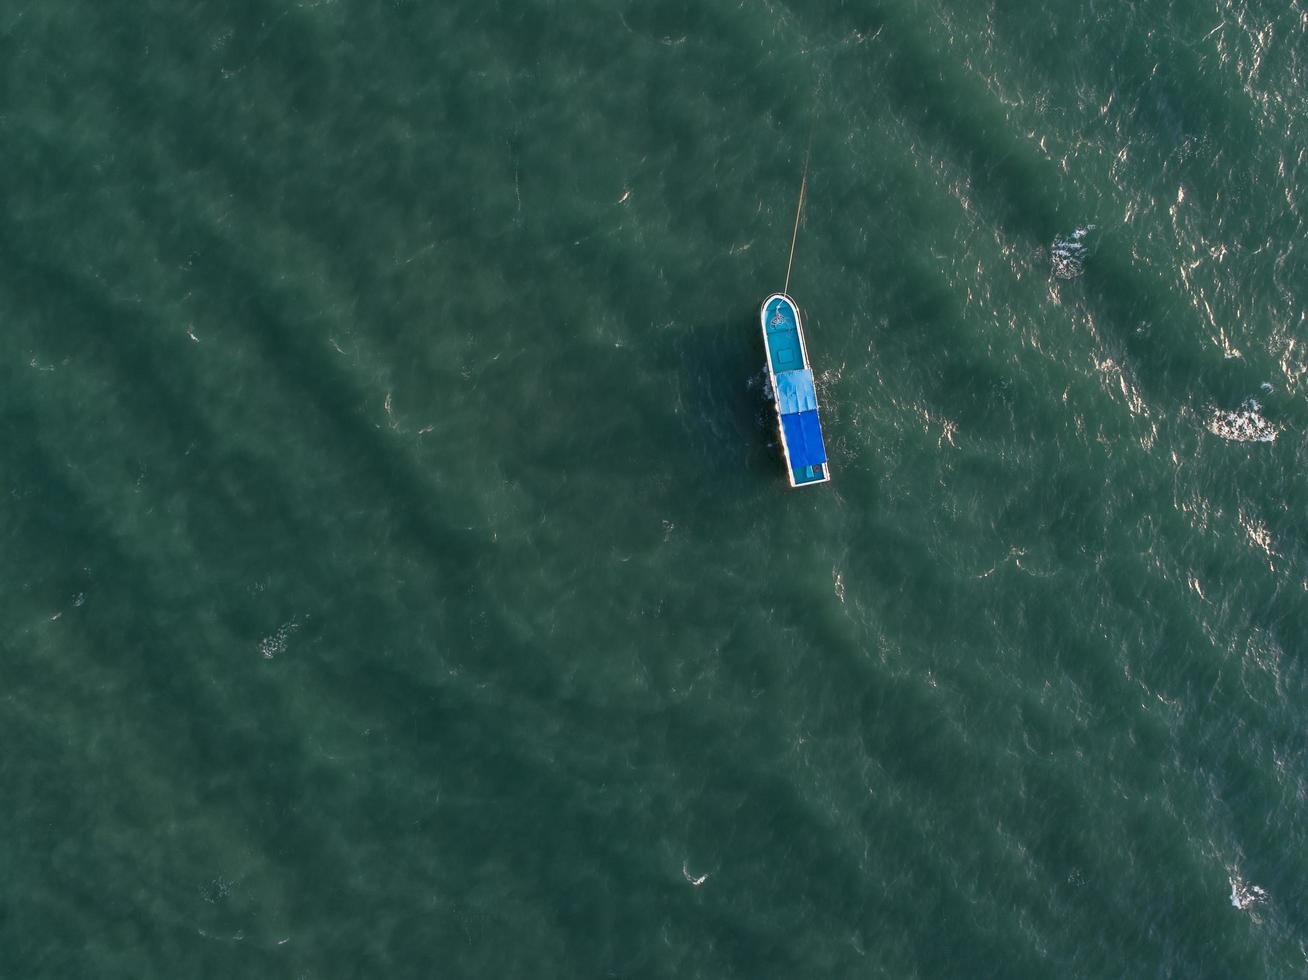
795 391
804 439
813 437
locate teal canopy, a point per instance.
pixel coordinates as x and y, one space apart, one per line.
795 392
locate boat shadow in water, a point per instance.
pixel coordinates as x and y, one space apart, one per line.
729 402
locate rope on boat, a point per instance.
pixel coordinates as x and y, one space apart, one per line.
803 186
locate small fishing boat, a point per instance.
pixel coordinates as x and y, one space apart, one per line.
793 392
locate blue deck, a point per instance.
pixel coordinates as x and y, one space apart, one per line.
796 396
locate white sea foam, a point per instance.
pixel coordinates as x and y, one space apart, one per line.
1258 533
1244 895
271 646
1067 255
1245 424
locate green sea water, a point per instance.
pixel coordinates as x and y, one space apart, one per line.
400 576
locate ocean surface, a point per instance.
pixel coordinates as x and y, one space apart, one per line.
399 573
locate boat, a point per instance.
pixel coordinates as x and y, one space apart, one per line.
793 392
